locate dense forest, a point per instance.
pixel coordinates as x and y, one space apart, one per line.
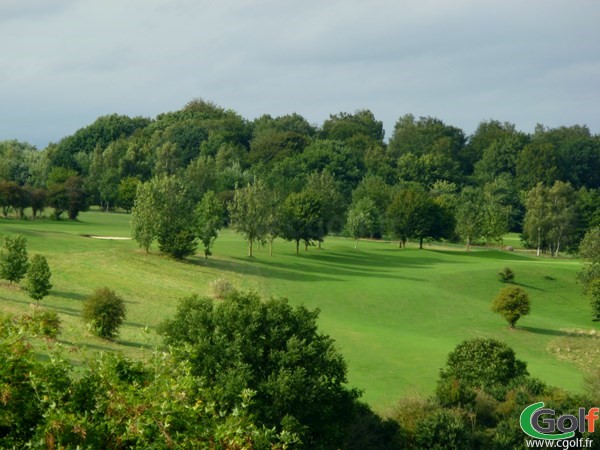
477 187
248 372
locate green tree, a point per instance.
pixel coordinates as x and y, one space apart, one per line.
512 303
361 219
104 311
413 213
209 220
495 215
249 212
428 135
563 215
274 349
374 188
344 126
37 283
469 220
126 193
14 260
536 163
301 215
483 363
537 218
324 186
145 216
164 211
589 250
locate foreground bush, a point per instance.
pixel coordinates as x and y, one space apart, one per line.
273 349
114 403
41 323
104 311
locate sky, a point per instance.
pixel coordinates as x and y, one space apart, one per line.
64 63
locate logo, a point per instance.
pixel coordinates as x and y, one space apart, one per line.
539 422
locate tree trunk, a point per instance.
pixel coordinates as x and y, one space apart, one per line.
468 242
421 243
539 242
305 246
356 243
297 246
270 248
319 245
400 243
250 247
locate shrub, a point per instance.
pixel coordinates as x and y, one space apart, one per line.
482 363
46 323
444 429
221 288
104 311
512 303
506 275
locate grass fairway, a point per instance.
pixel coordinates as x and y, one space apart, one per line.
395 314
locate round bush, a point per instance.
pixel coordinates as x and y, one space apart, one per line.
104 311
222 288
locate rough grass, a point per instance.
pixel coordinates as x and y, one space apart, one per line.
395 314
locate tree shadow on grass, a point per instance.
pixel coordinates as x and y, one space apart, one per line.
550 332
528 286
68 295
136 345
249 267
486 254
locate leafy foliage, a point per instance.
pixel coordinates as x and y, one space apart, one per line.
209 219
506 275
104 311
482 363
37 284
275 350
13 258
115 403
512 303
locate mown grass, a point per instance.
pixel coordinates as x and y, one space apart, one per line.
395 314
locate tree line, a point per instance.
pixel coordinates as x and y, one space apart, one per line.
482 182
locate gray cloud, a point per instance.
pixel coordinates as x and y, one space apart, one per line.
67 62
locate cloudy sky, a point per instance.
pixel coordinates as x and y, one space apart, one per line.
63 63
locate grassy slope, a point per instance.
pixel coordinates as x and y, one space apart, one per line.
395 314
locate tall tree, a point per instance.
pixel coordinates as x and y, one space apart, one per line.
361 219
413 213
164 211
324 186
249 212
495 214
145 216
469 221
563 215
209 220
301 218
537 218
